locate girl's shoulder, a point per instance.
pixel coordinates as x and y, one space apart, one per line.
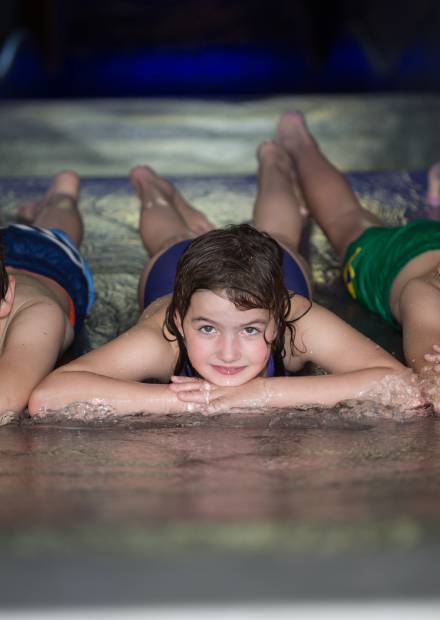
151 324
154 314
300 306
139 353
299 320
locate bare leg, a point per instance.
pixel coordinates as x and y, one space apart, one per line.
327 193
433 192
59 207
194 219
160 223
279 208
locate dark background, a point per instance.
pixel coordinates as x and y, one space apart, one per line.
77 48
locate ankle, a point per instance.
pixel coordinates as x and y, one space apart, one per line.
271 153
60 200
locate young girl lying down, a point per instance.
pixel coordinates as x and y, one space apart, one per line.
226 315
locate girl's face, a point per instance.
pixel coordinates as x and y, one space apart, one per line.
225 345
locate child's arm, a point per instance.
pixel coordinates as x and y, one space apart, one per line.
419 306
361 370
111 376
432 358
33 342
420 315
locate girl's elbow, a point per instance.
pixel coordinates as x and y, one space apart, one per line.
393 366
395 370
54 392
39 398
14 405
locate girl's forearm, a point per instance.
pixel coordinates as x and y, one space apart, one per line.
383 385
13 397
15 386
61 389
394 387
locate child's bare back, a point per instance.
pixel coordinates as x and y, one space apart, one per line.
33 292
46 290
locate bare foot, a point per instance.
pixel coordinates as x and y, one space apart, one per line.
272 151
66 183
196 221
154 191
433 191
293 134
28 211
302 205
64 187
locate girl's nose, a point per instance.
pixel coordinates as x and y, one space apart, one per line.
229 350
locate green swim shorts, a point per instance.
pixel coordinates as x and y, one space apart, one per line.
375 258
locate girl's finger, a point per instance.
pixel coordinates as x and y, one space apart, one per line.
179 379
197 397
432 357
184 387
191 397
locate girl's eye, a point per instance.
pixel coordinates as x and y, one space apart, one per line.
251 331
207 329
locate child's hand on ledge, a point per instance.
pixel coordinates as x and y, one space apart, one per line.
210 399
433 358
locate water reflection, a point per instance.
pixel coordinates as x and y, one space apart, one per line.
219 472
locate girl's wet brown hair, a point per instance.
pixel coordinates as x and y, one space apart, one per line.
4 281
247 265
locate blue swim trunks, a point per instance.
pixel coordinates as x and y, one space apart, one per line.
51 253
160 280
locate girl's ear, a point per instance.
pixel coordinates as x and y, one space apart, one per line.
7 302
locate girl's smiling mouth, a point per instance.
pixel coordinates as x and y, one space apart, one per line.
228 370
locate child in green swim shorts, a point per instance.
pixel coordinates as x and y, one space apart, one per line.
394 272
374 259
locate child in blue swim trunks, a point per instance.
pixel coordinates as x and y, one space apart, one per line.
46 290
393 271
226 317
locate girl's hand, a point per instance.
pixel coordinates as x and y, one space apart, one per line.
210 399
434 357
